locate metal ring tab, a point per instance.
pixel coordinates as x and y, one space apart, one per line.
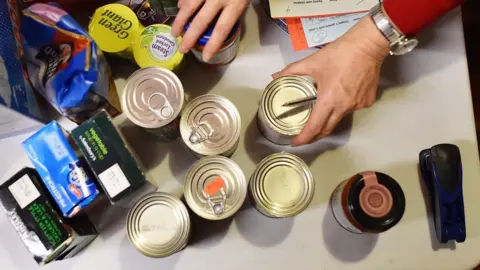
217 204
201 132
164 112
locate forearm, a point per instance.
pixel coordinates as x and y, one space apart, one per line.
412 16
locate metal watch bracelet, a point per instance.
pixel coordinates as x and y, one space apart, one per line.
399 43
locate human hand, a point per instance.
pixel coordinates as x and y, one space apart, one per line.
346 72
230 10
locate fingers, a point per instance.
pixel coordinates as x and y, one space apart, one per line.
316 122
223 27
296 68
186 10
199 25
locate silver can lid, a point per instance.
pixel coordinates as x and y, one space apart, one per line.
287 120
215 187
282 185
210 125
153 97
158 225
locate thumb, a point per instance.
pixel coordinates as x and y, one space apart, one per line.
296 68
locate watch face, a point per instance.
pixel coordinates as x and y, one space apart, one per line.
405 46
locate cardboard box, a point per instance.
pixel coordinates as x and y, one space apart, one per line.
35 217
109 157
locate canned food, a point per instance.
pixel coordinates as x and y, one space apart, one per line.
279 124
169 7
215 187
211 125
225 54
158 225
282 185
113 28
368 202
147 15
157 47
153 99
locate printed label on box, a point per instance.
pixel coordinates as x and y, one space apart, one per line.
114 180
24 191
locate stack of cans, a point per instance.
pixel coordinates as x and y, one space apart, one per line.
279 124
211 125
158 225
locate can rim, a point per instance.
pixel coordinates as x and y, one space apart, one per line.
185 128
258 192
129 84
270 91
189 182
133 219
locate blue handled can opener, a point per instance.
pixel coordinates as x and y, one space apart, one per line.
441 168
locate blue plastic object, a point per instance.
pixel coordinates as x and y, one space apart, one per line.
205 37
441 168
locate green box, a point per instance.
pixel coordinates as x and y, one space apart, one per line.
109 157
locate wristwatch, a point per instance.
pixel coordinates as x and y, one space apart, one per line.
399 43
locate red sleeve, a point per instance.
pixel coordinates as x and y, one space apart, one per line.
411 16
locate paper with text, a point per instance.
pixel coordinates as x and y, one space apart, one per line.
311 8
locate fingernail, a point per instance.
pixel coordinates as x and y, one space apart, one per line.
275 75
182 49
207 56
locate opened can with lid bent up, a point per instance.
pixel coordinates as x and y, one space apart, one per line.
368 202
153 98
278 123
211 125
158 225
282 185
215 187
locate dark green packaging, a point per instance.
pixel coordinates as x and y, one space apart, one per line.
34 215
109 157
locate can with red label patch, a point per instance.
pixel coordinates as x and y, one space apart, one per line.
368 202
153 98
215 187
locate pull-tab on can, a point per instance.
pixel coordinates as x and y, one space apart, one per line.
278 123
281 186
215 187
153 98
211 125
158 225
368 202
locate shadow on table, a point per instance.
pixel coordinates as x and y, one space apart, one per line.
344 245
258 147
129 258
436 245
180 160
198 79
260 230
207 233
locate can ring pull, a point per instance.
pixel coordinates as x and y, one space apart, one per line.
217 204
200 133
164 112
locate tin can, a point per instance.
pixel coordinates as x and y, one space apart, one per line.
281 186
158 225
211 125
155 46
215 187
368 202
153 98
113 28
225 54
279 124
169 7
146 14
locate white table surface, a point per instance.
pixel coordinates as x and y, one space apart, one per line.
427 102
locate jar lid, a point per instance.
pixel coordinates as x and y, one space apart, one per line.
113 27
155 46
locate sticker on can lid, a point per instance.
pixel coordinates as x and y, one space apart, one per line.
161 44
215 186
